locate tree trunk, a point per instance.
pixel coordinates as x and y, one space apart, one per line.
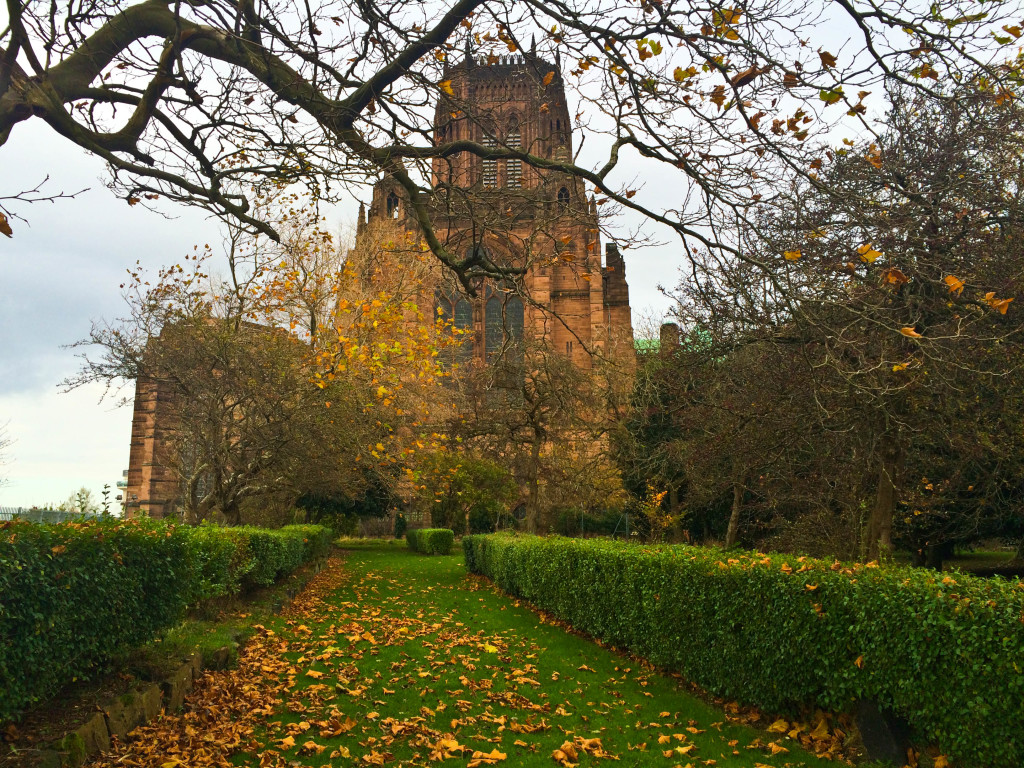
879 541
533 500
673 508
734 517
937 554
233 513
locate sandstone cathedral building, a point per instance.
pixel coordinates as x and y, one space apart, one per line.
548 284
538 223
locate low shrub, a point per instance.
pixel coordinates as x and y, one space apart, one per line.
218 562
431 541
781 632
74 594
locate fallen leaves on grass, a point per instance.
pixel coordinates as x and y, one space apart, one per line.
325 682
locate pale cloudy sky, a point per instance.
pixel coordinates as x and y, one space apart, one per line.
63 270
58 273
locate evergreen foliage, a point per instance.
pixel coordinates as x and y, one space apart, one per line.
431 541
74 594
780 632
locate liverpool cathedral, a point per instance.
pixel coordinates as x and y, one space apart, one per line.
547 285
537 224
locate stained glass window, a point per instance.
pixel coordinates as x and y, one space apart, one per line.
454 308
503 319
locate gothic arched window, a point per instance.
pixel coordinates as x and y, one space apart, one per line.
490 166
503 322
514 168
563 198
392 205
451 306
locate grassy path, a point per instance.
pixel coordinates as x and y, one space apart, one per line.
392 658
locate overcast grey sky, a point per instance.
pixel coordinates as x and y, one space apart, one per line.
64 269
56 275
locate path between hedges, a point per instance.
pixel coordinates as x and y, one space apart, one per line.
392 658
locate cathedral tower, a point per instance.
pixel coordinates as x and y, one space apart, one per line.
538 220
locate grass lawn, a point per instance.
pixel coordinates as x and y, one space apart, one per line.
394 658
418 651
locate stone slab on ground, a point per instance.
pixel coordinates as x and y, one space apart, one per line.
124 714
152 700
94 734
177 686
76 747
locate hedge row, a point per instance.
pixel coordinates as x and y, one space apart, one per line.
945 651
74 594
431 541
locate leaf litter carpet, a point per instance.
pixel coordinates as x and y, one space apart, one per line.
398 659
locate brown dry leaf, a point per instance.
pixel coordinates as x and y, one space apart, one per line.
893 276
999 304
311 747
486 758
956 285
868 253
590 746
718 96
446 747
5 226
779 726
566 755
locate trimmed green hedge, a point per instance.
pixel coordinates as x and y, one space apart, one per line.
74 594
945 651
431 541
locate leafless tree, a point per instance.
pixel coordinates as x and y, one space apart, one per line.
217 103
893 282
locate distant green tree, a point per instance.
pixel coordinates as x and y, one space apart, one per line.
374 497
464 493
